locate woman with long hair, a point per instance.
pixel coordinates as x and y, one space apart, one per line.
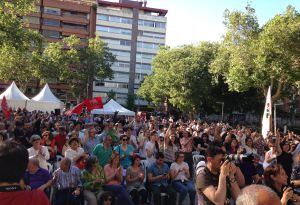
170 149
93 179
249 147
114 178
48 141
276 178
135 176
233 146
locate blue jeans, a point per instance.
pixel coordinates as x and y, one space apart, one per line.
120 192
184 188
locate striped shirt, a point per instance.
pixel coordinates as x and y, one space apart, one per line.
70 179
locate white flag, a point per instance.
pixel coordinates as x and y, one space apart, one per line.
266 120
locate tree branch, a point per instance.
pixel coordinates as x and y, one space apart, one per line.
277 95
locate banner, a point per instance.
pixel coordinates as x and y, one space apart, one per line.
266 120
90 104
4 107
94 103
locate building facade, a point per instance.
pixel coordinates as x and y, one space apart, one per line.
133 32
56 19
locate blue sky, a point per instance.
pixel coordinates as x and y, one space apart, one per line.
192 21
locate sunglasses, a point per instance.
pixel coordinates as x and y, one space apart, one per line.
125 140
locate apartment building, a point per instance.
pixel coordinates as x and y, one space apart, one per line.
56 19
133 32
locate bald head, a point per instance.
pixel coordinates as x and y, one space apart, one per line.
257 195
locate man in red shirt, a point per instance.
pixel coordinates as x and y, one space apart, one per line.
13 162
60 139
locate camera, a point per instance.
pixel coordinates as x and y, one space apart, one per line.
239 158
296 189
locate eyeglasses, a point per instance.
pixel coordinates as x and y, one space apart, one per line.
125 140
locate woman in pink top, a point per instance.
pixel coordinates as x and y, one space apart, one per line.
113 174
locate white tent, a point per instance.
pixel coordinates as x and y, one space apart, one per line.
15 98
45 101
111 107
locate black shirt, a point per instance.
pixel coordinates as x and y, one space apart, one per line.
205 179
286 161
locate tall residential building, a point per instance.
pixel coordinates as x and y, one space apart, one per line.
133 32
56 19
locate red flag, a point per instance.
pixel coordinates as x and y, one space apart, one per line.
4 107
77 109
94 103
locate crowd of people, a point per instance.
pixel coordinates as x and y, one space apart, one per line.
55 159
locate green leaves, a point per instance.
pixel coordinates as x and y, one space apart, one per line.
180 75
253 57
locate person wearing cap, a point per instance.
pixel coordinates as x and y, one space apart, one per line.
39 151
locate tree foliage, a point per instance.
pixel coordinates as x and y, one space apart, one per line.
18 46
77 64
181 75
254 57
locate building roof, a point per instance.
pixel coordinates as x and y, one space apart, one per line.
133 4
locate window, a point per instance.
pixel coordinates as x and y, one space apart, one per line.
154 24
116 19
121 64
121 75
51 22
31 20
75 14
116 42
99 83
74 26
125 43
51 34
52 11
116 85
121 53
143 66
141 44
113 30
152 35
144 56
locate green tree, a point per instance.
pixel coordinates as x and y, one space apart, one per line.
181 75
254 57
111 95
77 64
18 46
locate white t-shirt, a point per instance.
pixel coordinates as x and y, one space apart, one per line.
71 154
181 175
41 157
150 146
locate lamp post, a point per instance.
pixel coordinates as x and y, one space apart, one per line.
222 103
275 121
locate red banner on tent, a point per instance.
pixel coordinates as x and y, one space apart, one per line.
4 107
94 103
90 104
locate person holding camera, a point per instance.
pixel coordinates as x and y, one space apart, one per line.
276 178
180 175
213 180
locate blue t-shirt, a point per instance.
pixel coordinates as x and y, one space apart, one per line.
39 178
125 156
156 171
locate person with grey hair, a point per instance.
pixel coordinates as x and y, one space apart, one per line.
257 195
36 177
38 151
68 183
103 151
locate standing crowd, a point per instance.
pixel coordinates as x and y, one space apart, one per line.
77 160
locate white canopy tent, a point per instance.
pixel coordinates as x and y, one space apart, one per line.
15 98
45 101
111 107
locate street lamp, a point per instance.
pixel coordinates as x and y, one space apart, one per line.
222 103
275 105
